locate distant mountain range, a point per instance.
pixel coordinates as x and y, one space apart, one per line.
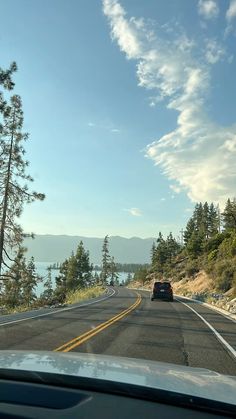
53 248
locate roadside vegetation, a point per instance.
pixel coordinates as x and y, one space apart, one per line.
207 252
84 294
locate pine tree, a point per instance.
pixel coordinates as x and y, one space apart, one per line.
47 294
72 273
205 220
105 261
161 254
153 252
128 279
7 83
113 271
12 175
195 244
214 220
96 278
190 228
198 217
229 215
61 285
12 290
84 268
172 247
29 283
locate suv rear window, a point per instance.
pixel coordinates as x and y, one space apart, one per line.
163 285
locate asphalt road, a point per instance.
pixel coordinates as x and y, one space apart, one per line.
129 325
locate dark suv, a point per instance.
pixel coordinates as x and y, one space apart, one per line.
162 290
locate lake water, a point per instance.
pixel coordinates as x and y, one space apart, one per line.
41 268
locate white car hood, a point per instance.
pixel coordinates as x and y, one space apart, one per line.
158 375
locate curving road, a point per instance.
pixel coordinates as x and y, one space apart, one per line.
128 324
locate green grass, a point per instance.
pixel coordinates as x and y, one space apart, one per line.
84 294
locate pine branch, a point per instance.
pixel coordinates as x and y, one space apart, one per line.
7 276
12 260
5 264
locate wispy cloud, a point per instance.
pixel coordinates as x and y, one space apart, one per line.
136 212
175 188
231 11
163 199
105 126
208 9
230 16
115 130
199 155
214 51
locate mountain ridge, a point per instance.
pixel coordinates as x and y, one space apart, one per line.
56 248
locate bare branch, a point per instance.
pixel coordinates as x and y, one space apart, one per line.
12 260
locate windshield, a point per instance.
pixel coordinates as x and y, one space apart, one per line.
117 180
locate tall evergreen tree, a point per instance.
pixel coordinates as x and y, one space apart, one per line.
229 215
205 220
195 244
153 252
7 83
172 247
14 192
113 271
214 220
29 283
84 267
128 279
61 283
72 273
190 228
105 261
198 217
47 294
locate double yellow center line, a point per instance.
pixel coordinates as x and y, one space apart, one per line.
88 335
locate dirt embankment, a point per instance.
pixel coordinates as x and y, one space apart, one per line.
201 283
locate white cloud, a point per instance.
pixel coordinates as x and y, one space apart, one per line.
163 199
136 212
125 32
231 12
175 188
208 9
91 124
188 210
230 16
115 130
198 155
214 51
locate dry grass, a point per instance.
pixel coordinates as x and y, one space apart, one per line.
201 283
19 309
84 294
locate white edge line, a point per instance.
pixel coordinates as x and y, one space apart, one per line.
58 311
218 310
219 337
223 312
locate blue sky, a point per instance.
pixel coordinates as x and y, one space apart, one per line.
130 107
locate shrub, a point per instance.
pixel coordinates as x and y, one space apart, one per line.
192 268
224 273
214 242
212 255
